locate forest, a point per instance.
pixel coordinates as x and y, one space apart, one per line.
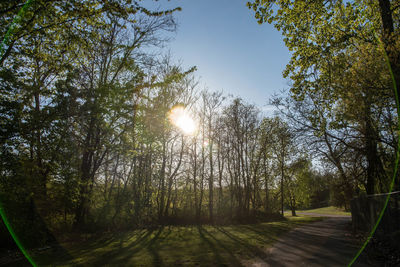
102 130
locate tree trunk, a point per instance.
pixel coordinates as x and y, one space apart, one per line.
211 178
162 184
196 204
393 54
282 175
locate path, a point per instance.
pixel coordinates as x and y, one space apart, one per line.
323 243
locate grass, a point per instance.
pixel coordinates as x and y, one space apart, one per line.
173 245
328 210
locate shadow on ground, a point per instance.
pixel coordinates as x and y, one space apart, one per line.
171 246
324 243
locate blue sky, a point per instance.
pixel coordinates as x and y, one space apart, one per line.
231 50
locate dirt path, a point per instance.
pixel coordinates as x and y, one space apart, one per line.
323 243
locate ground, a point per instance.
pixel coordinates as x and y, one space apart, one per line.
171 246
323 243
297 241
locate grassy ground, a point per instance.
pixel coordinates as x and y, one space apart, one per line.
171 246
328 210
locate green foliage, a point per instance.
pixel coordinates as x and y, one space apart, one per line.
70 81
342 92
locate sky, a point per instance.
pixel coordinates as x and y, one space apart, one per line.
231 50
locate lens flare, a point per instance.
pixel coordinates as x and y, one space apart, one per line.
181 118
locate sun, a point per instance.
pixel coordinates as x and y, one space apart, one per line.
180 117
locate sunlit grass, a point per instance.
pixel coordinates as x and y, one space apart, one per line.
173 245
328 210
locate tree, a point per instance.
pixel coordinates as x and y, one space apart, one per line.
306 26
211 102
266 150
283 151
79 75
327 40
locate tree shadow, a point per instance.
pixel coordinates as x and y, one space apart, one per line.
232 258
253 250
263 235
124 250
145 241
153 247
217 257
291 250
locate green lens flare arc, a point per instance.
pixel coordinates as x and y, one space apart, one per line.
396 160
14 236
4 42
